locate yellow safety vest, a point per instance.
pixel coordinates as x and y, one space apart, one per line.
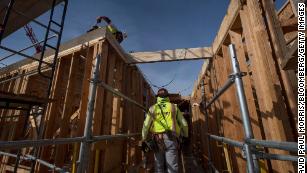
161 124
112 29
173 121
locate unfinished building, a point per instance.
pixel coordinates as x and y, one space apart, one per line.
80 105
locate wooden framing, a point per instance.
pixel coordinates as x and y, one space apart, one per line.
265 43
65 116
172 55
261 42
287 16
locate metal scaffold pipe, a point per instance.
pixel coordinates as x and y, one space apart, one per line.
30 158
288 146
85 145
252 162
112 90
281 157
220 91
26 48
227 141
60 141
39 142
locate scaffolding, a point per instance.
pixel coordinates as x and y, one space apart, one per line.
249 146
102 68
32 106
88 55
86 140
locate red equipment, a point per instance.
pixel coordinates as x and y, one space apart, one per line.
32 37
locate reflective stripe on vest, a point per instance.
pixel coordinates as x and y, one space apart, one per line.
161 125
173 113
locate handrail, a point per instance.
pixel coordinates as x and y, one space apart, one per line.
249 144
44 142
32 158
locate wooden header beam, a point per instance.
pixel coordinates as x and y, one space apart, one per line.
171 55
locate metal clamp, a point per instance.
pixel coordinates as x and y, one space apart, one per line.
237 75
243 151
97 81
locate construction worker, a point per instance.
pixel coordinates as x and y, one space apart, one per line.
111 28
166 123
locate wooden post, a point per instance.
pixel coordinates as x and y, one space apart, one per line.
54 111
234 113
218 117
113 161
99 106
108 110
280 49
267 84
237 41
70 105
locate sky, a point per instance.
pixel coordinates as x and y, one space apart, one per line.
150 25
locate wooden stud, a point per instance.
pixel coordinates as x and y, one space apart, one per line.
54 111
70 105
278 43
268 89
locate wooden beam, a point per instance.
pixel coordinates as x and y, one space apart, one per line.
95 158
285 12
229 19
54 110
268 90
91 54
213 119
289 25
70 93
278 41
99 103
71 103
116 117
108 107
236 39
172 55
290 60
232 115
294 5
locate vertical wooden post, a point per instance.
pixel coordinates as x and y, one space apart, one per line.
234 112
70 105
267 84
108 109
99 106
279 48
237 41
54 110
